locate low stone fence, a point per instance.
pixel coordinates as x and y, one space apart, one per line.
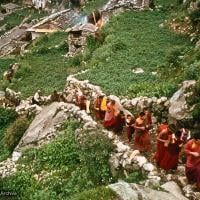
158 106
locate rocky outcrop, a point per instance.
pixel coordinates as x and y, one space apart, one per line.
134 191
45 124
179 110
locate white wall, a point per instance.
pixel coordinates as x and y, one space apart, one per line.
39 3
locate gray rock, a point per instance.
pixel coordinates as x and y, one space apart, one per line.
183 181
138 71
124 190
174 189
69 98
141 160
15 156
43 124
148 167
114 162
121 147
134 191
177 109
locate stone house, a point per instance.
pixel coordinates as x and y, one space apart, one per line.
9 7
77 38
50 24
40 4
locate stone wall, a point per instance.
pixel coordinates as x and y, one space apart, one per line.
159 106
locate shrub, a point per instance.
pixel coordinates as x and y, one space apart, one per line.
7 116
174 55
99 193
135 177
21 183
94 152
191 72
15 131
196 113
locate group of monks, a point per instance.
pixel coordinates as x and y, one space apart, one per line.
170 140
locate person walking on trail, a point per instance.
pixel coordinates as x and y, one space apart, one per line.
130 121
109 120
142 137
192 167
37 98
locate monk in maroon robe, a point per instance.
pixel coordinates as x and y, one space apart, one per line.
119 122
148 118
130 121
192 150
99 114
142 137
163 133
171 155
81 102
109 120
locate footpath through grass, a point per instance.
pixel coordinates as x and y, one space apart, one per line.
135 40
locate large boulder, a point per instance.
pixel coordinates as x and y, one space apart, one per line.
134 191
43 125
179 110
173 188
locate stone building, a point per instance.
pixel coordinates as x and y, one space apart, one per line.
49 24
77 38
38 4
9 7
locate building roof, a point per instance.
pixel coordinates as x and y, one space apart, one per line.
84 27
52 17
10 6
43 30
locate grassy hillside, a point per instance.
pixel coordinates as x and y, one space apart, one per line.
44 67
135 40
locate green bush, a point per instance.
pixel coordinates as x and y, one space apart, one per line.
15 131
196 113
7 116
192 72
195 16
99 193
22 183
135 177
67 166
94 151
174 55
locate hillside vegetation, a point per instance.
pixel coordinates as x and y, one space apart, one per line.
64 167
135 40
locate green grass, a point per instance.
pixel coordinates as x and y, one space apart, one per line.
15 18
5 152
165 3
132 40
7 117
44 67
100 193
4 64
